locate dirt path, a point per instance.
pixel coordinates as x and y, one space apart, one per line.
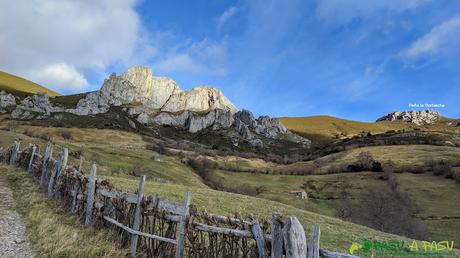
13 239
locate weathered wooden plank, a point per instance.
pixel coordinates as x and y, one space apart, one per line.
47 156
90 195
327 254
80 164
32 155
14 153
137 215
166 205
277 236
260 239
313 242
131 231
225 231
225 219
74 194
316 240
53 176
294 238
181 240
63 165
129 197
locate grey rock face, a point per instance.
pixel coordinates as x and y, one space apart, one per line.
418 117
94 103
6 100
218 119
138 86
251 129
176 120
37 106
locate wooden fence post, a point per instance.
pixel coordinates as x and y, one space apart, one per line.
80 164
55 171
313 243
46 158
34 148
183 221
277 236
14 153
260 239
294 238
65 157
137 215
90 195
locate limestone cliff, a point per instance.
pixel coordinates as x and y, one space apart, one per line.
418 117
159 100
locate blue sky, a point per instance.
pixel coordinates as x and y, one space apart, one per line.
353 59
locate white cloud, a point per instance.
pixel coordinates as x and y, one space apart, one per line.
41 38
61 76
440 38
345 10
204 57
225 16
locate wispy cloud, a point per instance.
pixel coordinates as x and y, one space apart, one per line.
225 16
345 10
365 83
203 57
441 38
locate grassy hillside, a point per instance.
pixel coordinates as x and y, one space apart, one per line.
437 198
52 232
16 84
122 157
329 126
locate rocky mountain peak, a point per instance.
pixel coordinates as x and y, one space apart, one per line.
159 100
418 117
138 85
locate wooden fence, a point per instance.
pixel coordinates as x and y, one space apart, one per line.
156 227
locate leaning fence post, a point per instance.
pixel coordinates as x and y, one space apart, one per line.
34 148
80 164
181 240
53 175
313 243
277 236
14 153
46 158
63 165
90 195
137 215
260 239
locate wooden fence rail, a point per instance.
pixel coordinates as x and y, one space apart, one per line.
156 227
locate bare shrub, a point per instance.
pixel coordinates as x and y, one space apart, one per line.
66 135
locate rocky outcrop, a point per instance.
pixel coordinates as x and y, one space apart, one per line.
37 106
252 129
138 86
418 117
6 100
158 100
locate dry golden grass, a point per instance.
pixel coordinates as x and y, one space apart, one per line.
54 233
329 126
9 82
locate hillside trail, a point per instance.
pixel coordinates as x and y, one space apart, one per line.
13 238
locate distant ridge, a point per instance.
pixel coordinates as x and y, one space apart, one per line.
15 84
329 126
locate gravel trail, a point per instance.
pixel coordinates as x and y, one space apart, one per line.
13 238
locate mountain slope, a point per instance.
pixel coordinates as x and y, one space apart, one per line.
329 126
15 84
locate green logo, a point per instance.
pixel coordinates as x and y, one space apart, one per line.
400 248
